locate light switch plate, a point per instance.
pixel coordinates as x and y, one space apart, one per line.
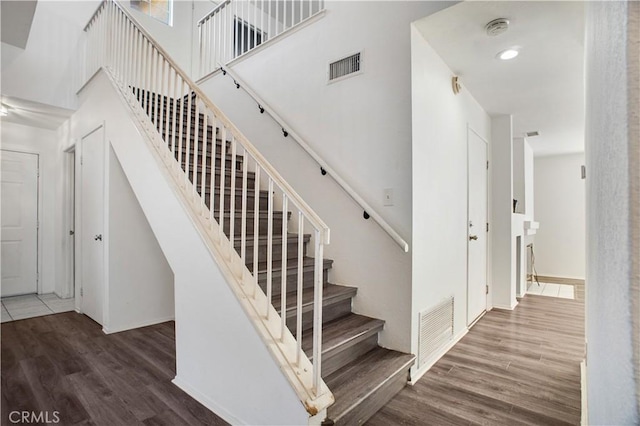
388 196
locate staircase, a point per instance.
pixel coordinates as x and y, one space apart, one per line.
362 375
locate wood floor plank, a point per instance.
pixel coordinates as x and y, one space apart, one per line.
513 367
65 363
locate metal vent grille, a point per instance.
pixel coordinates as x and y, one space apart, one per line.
343 67
436 329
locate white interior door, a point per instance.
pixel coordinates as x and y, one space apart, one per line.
19 215
477 227
92 225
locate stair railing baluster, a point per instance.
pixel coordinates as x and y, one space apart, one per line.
187 141
232 196
283 289
182 160
212 185
223 163
270 247
243 230
203 168
196 148
317 313
256 223
299 352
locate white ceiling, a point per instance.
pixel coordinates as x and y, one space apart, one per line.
17 17
542 88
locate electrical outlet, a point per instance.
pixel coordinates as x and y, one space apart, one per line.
388 196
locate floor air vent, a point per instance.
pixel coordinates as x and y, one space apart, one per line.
344 67
436 329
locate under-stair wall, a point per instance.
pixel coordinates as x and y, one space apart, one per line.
221 360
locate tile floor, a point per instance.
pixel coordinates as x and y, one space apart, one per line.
564 291
34 305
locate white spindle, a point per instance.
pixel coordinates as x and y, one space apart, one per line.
299 286
317 313
212 183
256 223
181 160
223 163
232 194
243 230
196 152
187 140
203 167
270 247
283 286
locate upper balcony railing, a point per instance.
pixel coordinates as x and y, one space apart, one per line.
236 27
232 192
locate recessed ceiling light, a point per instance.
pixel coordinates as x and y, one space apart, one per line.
505 55
3 111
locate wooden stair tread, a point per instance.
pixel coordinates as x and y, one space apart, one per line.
356 381
262 239
292 265
331 293
342 332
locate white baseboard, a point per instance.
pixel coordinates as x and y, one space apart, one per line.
584 420
107 330
506 307
422 370
207 402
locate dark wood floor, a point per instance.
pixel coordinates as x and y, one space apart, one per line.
65 363
513 367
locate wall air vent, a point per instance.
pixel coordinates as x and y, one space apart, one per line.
345 67
532 134
435 330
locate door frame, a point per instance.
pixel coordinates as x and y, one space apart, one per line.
21 150
70 214
486 269
78 221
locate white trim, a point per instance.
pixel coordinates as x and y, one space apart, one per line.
207 402
506 308
434 358
79 248
486 269
584 418
131 326
68 213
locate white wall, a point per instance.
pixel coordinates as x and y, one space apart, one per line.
613 224
360 126
501 239
46 71
220 358
140 288
440 121
44 143
559 244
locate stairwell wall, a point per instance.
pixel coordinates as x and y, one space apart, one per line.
220 359
440 123
361 126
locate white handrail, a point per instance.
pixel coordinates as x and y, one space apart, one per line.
368 210
196 141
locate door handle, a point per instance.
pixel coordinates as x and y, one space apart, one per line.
99 237
473 237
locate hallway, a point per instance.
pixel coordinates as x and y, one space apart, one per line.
513 367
